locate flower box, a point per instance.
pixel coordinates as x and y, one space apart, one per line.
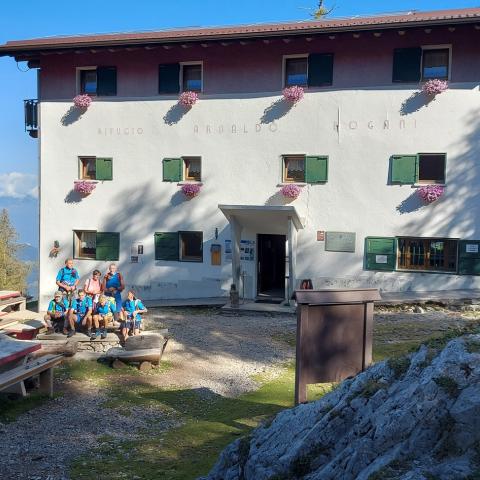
430 193
434 86
191 190
84 187
82 101
188 99
291 191
293 94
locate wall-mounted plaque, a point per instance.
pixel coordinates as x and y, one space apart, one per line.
320 235
340 242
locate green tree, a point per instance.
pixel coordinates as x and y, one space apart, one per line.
13 272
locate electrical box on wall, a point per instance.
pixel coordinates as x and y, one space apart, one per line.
216 254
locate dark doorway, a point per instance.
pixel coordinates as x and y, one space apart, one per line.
271 268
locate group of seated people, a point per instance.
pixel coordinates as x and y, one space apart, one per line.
95 306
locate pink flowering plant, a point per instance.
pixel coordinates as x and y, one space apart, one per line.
293 94
82 101
84 187
191 190
430 193
290 191
188 99
434 86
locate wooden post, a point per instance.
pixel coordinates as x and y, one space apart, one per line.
46 382
300 382
236 230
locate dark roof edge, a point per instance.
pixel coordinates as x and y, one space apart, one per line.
50 44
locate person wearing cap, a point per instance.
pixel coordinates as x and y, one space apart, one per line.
79 315
131 315
113 286
102 317
57 311
68 278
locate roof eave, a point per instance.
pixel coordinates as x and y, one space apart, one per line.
22 51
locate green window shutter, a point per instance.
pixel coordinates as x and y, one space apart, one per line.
107 246
469 257
107 81
381 253
172 169
404 169
406 64
320 69
169 78
103 169
166 246
316 169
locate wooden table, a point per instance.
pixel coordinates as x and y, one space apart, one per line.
14 351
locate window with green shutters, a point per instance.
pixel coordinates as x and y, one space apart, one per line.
407 65
167 246
169 78
172 169
106 81
469 257
100 81
90 244
427 168
404 169
316 169
313 70
381 253
103 169
107 246
305 168
320 69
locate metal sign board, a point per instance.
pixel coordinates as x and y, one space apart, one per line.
340 241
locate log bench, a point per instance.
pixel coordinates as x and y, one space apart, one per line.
13 380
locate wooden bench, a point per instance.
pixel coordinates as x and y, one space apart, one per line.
12 301
13 380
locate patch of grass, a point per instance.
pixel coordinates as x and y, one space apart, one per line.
392 471
472 346
399 365
210 423
370 388
290 338
11 407
448 384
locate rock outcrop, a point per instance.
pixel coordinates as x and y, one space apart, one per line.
416 417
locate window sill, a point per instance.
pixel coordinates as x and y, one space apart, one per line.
419 185
299 184
189 182
444 272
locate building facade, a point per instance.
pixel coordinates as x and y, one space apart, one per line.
359 145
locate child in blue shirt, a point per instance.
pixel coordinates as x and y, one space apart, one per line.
80 314
102 317
132 309
57 312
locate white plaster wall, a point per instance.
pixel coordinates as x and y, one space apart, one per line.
241 165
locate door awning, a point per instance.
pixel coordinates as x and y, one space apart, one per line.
263 218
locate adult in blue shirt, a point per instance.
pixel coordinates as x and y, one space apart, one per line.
113 286
57 312
80 314
102 317
131 315
68 278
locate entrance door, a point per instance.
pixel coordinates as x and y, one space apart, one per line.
271 267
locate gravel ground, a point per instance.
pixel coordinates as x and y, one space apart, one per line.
41 443
210 350
222 352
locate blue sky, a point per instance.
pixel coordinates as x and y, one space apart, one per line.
30 19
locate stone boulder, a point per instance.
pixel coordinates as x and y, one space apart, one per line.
411 418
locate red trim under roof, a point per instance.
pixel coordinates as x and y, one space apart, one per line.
438 17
